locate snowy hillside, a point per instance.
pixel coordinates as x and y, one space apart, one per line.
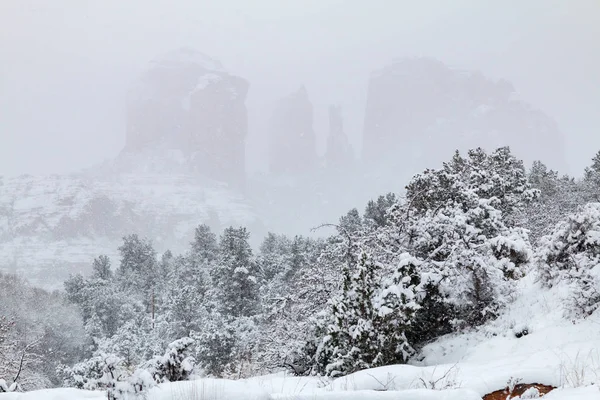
51 226
555 352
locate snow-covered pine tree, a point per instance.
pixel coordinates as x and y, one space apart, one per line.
137 340
187 295
559 197
592 173
461 225
138 271
215 345
351 341
376 213
235 275
368 323
101 300
204 247
108 372
177 364
571 253
341 250
574 244
351 223
497 177
397 303
590 185
273 256
101 268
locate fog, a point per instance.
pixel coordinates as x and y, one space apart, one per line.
222 157
66 65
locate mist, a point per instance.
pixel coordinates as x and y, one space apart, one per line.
82 164
67 66
308 199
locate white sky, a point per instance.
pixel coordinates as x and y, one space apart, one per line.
65 65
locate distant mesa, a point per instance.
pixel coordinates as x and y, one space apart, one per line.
292 143
187 102
419 110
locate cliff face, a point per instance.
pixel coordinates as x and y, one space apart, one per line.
339 154
187 102
292 144
425 110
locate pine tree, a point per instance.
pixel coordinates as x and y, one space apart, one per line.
138 271
498 177
573 245
397 304
235 274
351 223
351 341
215 345
570 255
187 296
204 247
177 364
592 173
463 219
273 257
101 268
376 212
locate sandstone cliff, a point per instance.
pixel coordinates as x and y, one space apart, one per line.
186 102
292 146
419 111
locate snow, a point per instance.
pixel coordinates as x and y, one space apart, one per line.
209 389
54 394
203 82
589 392
202 389
417 394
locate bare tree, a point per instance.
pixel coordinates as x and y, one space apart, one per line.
15 356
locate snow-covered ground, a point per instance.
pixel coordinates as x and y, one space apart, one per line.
556 351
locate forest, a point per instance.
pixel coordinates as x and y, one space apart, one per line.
443 257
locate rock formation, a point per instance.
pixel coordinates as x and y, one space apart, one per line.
339 153
187 102
292 145
421 110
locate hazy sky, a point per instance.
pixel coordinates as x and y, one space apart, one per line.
66 65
